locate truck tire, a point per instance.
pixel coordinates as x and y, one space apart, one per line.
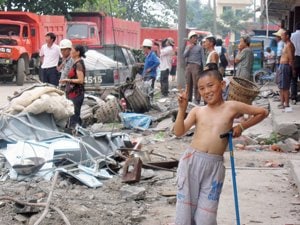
20 72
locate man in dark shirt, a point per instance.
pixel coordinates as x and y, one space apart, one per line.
194 55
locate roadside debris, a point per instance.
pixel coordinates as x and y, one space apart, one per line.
117 140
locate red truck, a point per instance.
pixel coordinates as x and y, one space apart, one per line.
21 37
95 28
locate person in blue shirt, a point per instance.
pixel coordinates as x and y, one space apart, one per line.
151 63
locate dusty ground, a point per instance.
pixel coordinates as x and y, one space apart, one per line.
267 195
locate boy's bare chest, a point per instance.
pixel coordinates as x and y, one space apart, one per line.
214 120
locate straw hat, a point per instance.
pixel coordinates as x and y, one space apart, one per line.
279 32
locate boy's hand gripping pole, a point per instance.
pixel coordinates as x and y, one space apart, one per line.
236 201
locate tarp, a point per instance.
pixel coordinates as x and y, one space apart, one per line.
97 61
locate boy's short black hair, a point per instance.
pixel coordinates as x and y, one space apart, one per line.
211 72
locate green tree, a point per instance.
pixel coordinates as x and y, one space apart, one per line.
150 12
235 21
110 7
199 16
42 7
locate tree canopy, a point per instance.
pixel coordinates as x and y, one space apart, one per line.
148 12
201 17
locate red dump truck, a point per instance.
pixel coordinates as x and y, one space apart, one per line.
95 28
21 37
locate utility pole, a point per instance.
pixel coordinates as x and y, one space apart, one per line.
181 44
254 2
215 17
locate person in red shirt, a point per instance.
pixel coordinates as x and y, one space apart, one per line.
174 66
75 84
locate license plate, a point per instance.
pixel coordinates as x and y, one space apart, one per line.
93 79
5 61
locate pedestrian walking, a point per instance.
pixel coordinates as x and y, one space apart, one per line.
193 55
201 172
49 55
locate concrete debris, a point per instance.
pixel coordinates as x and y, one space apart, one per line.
133 192
273 164
2 204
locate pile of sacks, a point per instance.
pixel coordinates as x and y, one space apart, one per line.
41 99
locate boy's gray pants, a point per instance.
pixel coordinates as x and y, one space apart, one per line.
200 180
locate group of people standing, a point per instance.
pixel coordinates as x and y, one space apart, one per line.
162 59
209 55
70 73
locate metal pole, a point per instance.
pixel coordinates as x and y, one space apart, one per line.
236 201
181 44
215 17
267 16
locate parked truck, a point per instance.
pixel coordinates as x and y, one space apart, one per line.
21 37
95 28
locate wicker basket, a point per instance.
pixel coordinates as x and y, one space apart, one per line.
242 90
108 112
138 101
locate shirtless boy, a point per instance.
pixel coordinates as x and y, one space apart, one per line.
285 70
201 171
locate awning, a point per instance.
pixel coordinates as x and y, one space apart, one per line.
278 9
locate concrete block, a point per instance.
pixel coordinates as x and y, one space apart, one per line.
285 129
295 170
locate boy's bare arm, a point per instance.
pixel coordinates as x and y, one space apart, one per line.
257 115
181 124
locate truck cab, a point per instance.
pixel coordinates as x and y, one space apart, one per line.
84 33
15 50
21 37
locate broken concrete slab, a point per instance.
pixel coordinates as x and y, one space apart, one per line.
295 171
132 192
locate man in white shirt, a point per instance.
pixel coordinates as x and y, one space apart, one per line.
295 38
166 54
269 58
49 55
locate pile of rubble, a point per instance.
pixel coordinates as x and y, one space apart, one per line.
34 143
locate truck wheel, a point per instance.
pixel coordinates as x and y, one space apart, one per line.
20 72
